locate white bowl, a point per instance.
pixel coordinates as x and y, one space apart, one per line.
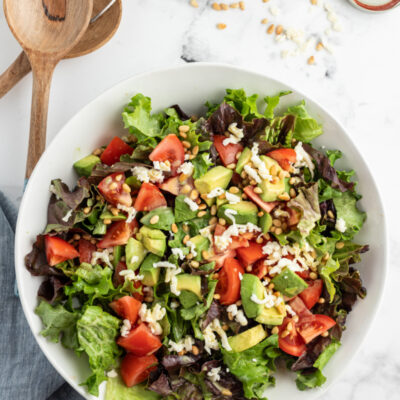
191 86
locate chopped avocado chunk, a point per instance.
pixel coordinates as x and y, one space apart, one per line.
106 214
214 178
271 191
246 211
247 339
244 159
289 283
272 316
182 210
84 166
116 389
250 285
201 243
135 253
189 282
153 240
164 221
188 299
266 222
150 274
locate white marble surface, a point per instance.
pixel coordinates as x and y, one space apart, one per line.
359 83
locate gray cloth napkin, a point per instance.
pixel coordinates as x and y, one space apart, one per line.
25 372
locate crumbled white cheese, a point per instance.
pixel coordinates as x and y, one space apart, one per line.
285 263
186 168
252 173
224 240
184 344
269 300
213 374
232 198
192 247
112 374
130 210
237 134
170 277
240 276
210 340
206 232
230 140
215 193
164 264
274 10
134 259
152 316
303 159
130 275
290 310
341 225
216 326
156 176
148 175
259 164
67 216
126 327
162 165
237 314
174 304
281 213
192 204
176 251
101 255
229 213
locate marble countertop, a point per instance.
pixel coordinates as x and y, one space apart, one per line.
358 82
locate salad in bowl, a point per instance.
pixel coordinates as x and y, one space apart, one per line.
198 254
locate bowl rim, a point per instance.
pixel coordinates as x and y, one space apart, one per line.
19 258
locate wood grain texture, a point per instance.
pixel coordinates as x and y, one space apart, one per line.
45 43
97 34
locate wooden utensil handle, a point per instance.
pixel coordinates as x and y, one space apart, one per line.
42 73
15 72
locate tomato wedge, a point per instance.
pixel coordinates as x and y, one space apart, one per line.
255 198
116 148
221 257
58 250
311 295
285 157
117 234
260 269
237 241
171 149
149 198
293 343
299 307
135 369
127 307
311 327
228 286
249 255
172 185
228 152
140 341
111 187
86 250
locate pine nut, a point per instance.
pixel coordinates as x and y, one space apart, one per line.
275 330
194 4
221 26
325 334
216 6
231 166
184 128
313 276
242 5
270 29
174 228
339 245
201 213
195 150
194 194
154 219
311 60
186 239
126 188
195 264
213 209
77 236
257 190
260 213
186 189
234 189
183 134
292 192
321 300
114 211
182 178
107 221
319 46
279 29
195 350
277 222
113 185
285 333
264 21
217 296
278 231
186 144
222 221
86 210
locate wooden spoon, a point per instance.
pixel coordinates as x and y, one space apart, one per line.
47 30
99 32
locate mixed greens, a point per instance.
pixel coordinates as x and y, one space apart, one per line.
195 256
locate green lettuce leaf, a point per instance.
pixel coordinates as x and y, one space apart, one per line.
97 333
246 105
201 164
325 271
58 322
254 366
306 128
272 103
116 389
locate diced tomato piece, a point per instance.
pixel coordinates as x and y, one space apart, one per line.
255 198
227 153
140 341
219 230
293 343
249 255
228 286
172 185
135 369
115 150
285 157
260 269
111 187
171 149
117 234
149 198
237 242
58 250
305 274
311 295
294 216
311 327
85 249
221 257
127 307
299 307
